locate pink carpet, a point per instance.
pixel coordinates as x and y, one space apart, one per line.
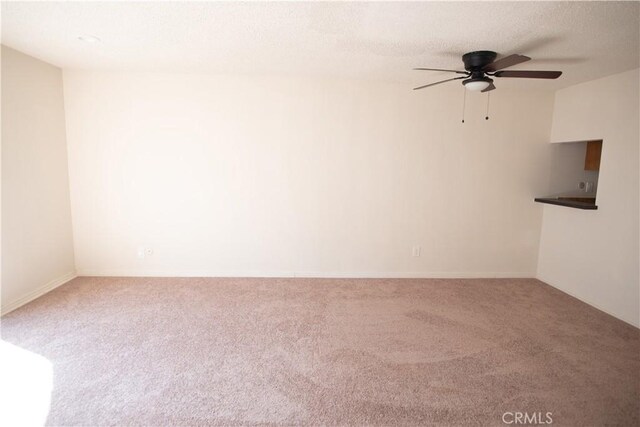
164 351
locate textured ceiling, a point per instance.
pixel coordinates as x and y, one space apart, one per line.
364 40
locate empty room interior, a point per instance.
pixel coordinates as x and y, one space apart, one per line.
320 213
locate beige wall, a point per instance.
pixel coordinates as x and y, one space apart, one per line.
249 176
221 175
37 245
594 255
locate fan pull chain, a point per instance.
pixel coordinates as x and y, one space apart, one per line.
464 102
488 98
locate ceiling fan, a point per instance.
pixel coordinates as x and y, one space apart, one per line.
481 64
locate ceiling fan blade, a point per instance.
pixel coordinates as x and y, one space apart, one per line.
489 88
439 69
507 61
437 83
529 74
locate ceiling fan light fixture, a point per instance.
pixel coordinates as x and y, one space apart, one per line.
480 64
477 84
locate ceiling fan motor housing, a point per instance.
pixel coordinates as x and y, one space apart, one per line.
476 61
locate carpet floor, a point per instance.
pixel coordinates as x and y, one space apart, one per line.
191 351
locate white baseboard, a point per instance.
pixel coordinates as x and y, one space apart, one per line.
632 322
309 274
418 275
6 308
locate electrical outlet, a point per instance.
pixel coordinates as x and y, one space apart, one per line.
588 187
416 251
144 252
